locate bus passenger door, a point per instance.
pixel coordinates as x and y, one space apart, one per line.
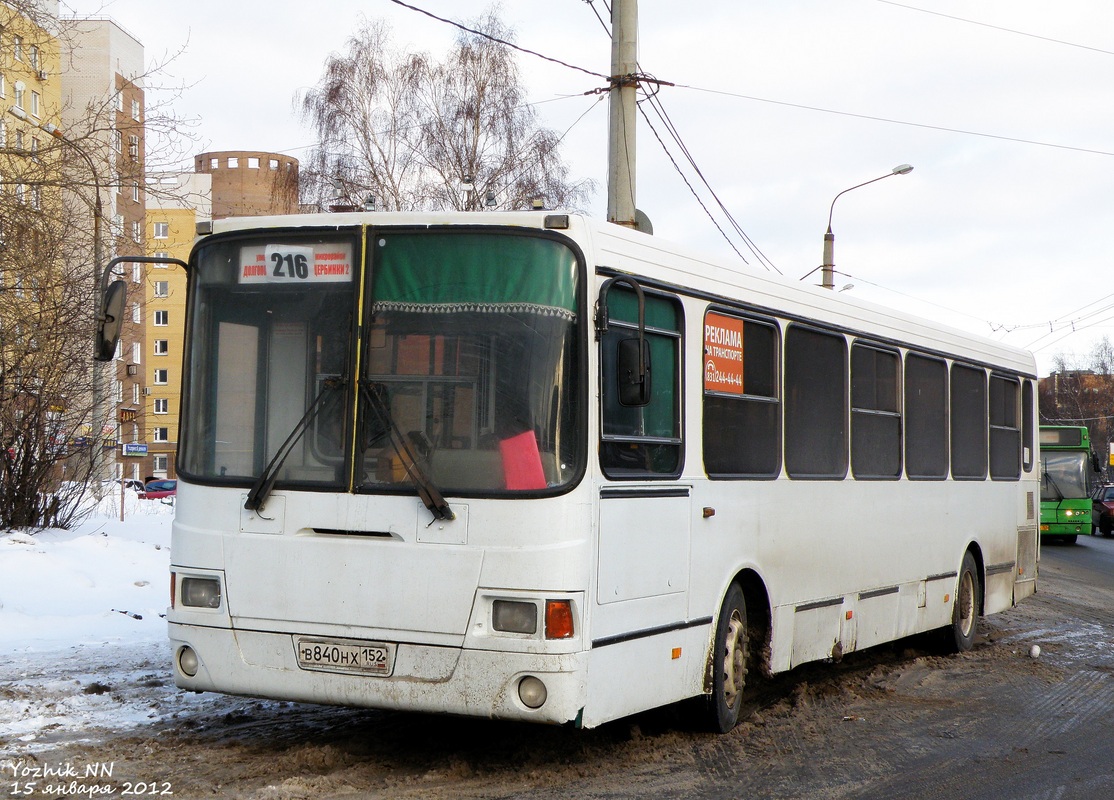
644 514
642 577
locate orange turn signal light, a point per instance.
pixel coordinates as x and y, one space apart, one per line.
558 619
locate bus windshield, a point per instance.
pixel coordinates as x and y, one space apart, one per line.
461 370
1065 475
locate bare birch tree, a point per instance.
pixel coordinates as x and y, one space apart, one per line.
415 133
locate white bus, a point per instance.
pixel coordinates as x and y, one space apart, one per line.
537 467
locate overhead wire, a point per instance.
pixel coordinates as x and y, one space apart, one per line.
655 103
1064 319
496 39
674 135
660 111
998 27
561 138
911 297
1075 324
889 121
1072 329
1075 419
592 4
688 184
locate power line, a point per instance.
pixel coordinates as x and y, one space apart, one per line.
910 296
1073 324
750 244
560 139
897 121
655 103
1064 318
803 107
689 185
496 39
606 28
999 28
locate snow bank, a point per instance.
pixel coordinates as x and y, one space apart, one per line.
82 624
106 581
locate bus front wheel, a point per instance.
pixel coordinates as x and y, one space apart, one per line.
729 663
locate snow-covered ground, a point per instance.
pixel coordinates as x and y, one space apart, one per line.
82 627
87 585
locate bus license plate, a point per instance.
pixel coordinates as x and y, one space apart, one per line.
347 656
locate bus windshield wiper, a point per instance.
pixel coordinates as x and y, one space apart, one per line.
429 493
1052 482
266 480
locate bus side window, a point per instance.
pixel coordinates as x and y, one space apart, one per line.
875 412
926 417
742 406
815 404
1005 430
645 438
1028 452
969 422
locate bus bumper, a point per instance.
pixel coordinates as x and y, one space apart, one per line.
425 678
1066 528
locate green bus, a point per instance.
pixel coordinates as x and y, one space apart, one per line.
1068 470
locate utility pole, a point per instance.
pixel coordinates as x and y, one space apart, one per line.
624 85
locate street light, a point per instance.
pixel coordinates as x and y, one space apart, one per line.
828 271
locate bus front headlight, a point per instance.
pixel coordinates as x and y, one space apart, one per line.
201 592
514 616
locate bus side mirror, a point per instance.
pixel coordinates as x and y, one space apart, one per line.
110 321
633 372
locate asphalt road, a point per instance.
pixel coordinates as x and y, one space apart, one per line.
1016 733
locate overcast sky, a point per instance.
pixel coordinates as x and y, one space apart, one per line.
1003 107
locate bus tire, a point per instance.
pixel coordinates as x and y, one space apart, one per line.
729 663
965 610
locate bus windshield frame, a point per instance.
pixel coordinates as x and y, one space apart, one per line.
1065 475
386 361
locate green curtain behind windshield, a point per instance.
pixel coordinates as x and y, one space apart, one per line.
473 272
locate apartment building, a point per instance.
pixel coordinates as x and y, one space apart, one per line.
176 202
35 400
103 112
30 85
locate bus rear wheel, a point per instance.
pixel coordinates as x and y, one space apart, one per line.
960 635
729 663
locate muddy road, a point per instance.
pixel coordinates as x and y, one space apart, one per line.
896 721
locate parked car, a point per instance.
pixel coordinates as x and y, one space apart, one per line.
132 483
156 490
1102 509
